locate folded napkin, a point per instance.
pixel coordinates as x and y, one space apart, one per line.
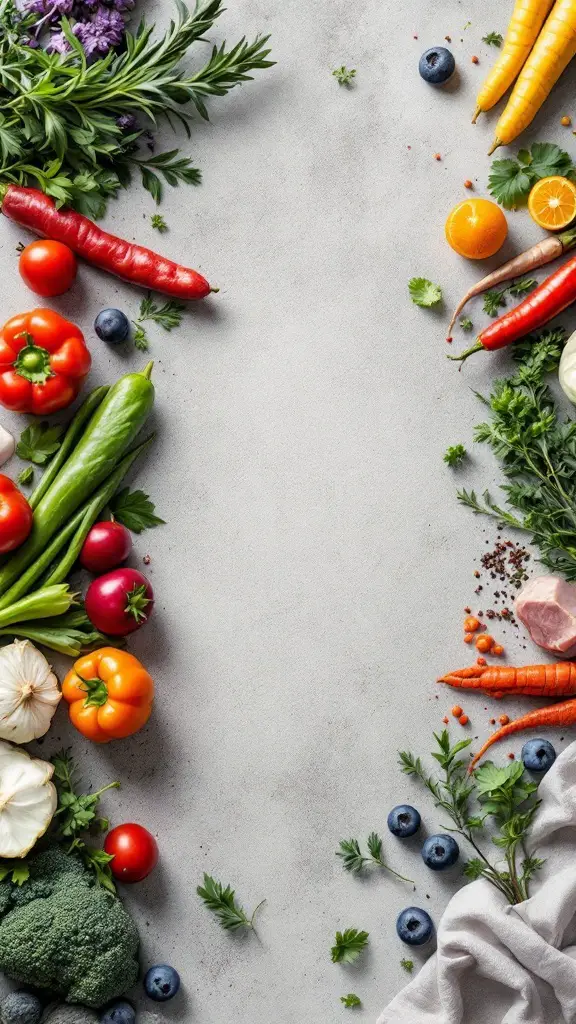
497 964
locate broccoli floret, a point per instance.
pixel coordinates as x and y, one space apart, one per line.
62 931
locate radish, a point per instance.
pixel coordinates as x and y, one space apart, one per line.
119 602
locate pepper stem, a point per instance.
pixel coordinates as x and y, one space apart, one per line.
147 371
495 145
476 113
476 347
32 361
96 690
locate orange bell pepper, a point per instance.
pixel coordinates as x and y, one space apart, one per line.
110 694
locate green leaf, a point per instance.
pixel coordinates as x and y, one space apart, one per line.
408 965
523 286
455 455
39 441
493 39
167 315
17 871
493 300
134 510
474 869
466 324
26 476
350 1000
349 945
423 292
99 862
548 160
344 75
509 183
374 844
352 858
221 901
158 223
140 338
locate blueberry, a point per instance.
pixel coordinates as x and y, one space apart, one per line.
21 1008
119 1012
538 755
440 852
404 820
112 325
437 65
161 982
414 926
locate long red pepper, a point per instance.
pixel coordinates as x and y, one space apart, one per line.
134 263
554 295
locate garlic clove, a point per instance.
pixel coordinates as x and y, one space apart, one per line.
29 692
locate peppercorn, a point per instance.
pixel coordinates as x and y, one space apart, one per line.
468 183
503 719
497 650
456 711
566 121
492 721
437 156
481 661
475 60
512 756
446 720
463 719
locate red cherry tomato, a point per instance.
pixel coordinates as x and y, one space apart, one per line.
48 268
15 516
135 852
106 546
119 602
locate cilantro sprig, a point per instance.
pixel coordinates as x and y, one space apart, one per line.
344 75
39 442
455 455
168 315
502 794
493 39
351 1000
134 510
510 181
423 292
496 298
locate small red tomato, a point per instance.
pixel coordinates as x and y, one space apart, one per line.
48 268
15 516
119 602
135 852
106 546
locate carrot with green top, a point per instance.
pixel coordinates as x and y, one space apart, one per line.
562 715
558 679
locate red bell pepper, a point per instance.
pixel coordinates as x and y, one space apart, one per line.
43 362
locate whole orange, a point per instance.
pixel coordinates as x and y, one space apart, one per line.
476 228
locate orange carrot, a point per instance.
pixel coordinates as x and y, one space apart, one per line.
554 680
537 256
563 715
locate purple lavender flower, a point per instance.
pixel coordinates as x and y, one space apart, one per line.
58 43
122 5
101 33
127 123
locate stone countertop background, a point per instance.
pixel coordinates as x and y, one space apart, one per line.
311 577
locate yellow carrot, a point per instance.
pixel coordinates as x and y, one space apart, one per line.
527 20
553 51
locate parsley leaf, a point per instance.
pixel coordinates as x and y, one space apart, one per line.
493 39
344 75
424 292
134 510
455 454
510 180
16 870
351 1000
349 945
353 859
526 284
408 965
221 901
26 476
39 441
140 338
168 315
157 221
492 301
466 324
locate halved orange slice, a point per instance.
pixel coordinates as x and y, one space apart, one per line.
552 203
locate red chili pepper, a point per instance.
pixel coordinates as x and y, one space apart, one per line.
554 295
36 211
43 362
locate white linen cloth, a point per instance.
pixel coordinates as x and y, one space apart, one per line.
498 964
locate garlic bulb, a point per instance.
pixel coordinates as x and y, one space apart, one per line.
567 368
27 800
29 693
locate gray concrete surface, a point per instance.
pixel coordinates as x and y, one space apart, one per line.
311 576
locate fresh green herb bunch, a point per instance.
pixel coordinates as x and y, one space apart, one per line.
59 115
536 448
503 795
